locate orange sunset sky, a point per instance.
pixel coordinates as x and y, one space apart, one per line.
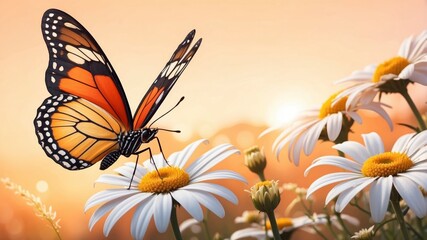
259 63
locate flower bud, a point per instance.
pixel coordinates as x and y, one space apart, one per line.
265 195
255 160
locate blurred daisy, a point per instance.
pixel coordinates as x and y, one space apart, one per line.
403 168
156 193
409 64
335 117
287 226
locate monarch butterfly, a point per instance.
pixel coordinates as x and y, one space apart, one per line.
87 118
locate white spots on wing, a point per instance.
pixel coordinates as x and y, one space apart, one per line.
61 97
89 54
51 109
78 53
46 115
70 25
52 79
75 58
159 98
46 25
56 157
39 123
48 150
47 122
171 67
54 146
54 27
55 21
60 45
66 164
54 65
46 31
48 38
61 152
40 135
99 57
47 134
69 98
54 50
54 34
51 14
47 19
61 68
59 18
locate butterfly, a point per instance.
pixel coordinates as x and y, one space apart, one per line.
87 118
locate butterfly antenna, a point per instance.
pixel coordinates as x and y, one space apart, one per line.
176 105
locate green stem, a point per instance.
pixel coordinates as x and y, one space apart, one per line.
273 225
175 225
394 199
414 109
341 221
261 176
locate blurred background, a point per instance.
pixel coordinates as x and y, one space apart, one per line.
261 62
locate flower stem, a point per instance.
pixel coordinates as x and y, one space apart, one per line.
273 225
394 199
174 223
414 109
261 176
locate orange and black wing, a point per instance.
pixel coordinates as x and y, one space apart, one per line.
165 81
76 133
78 66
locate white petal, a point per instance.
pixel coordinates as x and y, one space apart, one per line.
417 142
329 179
406 73
101 211
210 159
418 177
296 147
420 72
108 195
334 125
213 188
412 195
121 209
210 202
346 196
248 232
338 189
220 174
376 107
401 143
335 161
141 218
162 211
187 223
373 143
115 180
183 156
353 149
380 197
313 135
355 116
188 202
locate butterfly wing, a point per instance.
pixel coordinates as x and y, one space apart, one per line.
165 81
78 66
76 133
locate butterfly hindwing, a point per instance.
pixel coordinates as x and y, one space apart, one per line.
74 132
78 66
165 81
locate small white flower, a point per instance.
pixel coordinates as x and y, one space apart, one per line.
287 225
404 168
410 64
325 123
153 196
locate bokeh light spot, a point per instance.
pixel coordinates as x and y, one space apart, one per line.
42 186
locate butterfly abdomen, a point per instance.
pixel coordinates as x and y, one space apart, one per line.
74 132
130 142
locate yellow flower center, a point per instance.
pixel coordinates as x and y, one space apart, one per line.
392 66
266 184
164 180
386 164
327 107
281 223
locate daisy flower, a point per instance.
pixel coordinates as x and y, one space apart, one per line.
331 122
393 75
287 226
409 64
156 192
404 168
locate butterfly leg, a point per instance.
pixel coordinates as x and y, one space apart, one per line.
161 150
151 159
134 171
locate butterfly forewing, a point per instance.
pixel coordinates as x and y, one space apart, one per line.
165 81
75 132
78 66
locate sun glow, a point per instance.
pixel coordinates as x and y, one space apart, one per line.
281 114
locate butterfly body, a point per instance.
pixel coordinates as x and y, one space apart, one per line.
88 119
